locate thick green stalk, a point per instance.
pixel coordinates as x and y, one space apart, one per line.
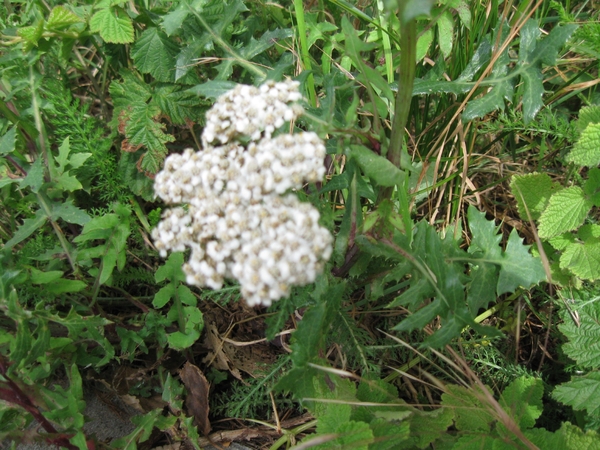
408 62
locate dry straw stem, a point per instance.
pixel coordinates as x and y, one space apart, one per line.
446 135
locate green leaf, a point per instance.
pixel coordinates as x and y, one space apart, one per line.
178 105
586 151
532 193
576 439
581 393
533 89
172 21
519 267
426 87
547 49
31 34
584 340
469 412
162 297
27 229
213 89
39 277
588 115
60 17
35 176
172 269
423 44
7 142
491 101
591 186
416 8
522 400
583 258
113 24
382 171
426 427
445 28
194 324
144 426
567 209
155 53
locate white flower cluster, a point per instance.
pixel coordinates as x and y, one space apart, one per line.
238 220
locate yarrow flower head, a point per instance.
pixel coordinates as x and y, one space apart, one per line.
240 220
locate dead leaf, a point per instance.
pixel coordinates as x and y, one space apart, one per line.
197 398
217 356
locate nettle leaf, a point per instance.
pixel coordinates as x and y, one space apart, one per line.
376 166
113 24
532 193
587 115
581 393
177 104
522 400
60 17
142 129
566 211
584 340
31 34
155 53
582 256
586 151
591 186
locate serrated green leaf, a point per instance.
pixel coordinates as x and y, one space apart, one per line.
31 34
355 435
567 209
522 400
445 29
529 35
143 130
533 89
479 294
253 49
586 151
519 267
213 89
583 259
491 101
24 231
7 142
587 115
548 48
144 426
40 277
467 404
35 176
376 166
60 17
591 186
178 105
423 44
532 193
576 439
426 427
155 53
389 435
97 227
426 87
584 340
172 21
581 393
113 24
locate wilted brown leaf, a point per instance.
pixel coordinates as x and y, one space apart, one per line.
197 398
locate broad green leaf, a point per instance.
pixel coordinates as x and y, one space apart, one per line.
172 269
586 151
587 115
155 53
581 393
213 89
491 101
415 8
576 439
40 277
64 286
519 267
172 21
70 213
60 17
164 294
467 404
7 142
583 259
532 193
529 36
113 24
32 34
567 209
464 12
389 435
479 294
479 59
194 324
445 29
584 340
375 166
426 427
423 44
355 435
426 87
176 104
591 186
522 400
